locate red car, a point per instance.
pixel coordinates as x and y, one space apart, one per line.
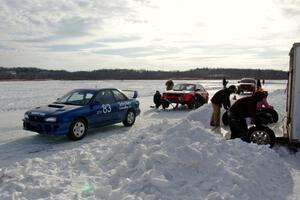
192 95
246 85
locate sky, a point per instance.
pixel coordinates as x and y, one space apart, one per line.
148 34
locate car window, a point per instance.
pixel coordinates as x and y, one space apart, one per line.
104 96
76 98
248 81
179 87
200 87
119 96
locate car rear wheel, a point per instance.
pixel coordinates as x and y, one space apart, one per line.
129 118
77 130
191 104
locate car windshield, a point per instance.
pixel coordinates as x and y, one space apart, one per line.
180 87
248 81
76 97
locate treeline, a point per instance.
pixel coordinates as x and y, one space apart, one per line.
24 73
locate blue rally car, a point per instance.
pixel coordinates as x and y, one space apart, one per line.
81 109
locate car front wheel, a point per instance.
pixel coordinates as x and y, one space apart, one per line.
77 129
199 101
261 135
129 118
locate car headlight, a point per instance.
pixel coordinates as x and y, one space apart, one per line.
26 116
50 119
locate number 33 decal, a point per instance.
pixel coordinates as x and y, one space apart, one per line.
106 108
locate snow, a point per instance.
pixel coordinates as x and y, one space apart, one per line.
171 154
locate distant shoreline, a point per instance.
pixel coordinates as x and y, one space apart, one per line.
40 80
35 74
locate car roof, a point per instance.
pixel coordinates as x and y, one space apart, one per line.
248 79
95 89
186 83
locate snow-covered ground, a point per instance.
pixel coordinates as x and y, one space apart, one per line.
171 154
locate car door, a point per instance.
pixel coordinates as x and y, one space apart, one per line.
200 90
107 107
123 103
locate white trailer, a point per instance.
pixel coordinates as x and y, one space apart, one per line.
292 125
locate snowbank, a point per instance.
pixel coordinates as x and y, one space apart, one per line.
159 161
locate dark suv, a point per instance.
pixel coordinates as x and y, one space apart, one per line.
192 95
246 85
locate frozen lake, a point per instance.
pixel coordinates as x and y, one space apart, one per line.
140 162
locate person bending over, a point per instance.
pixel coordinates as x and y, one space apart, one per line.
222 97
239 111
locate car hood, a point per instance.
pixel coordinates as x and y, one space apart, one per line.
52 109
177 92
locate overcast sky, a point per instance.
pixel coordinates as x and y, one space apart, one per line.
148 34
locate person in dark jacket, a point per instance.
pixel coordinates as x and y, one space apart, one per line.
220 98
169 84
258 84
224 82
239 111
157 99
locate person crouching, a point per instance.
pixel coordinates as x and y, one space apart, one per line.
157 99
239 111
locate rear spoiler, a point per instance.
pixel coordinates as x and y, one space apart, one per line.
131 93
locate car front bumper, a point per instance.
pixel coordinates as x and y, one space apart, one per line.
246 88
48 128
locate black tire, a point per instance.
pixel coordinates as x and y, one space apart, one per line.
225 119
77 130
261 135
199 101
129 118
273 113
165 104
191 104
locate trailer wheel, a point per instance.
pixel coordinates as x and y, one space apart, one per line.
261 135
225 119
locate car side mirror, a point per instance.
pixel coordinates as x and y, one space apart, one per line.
239 81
